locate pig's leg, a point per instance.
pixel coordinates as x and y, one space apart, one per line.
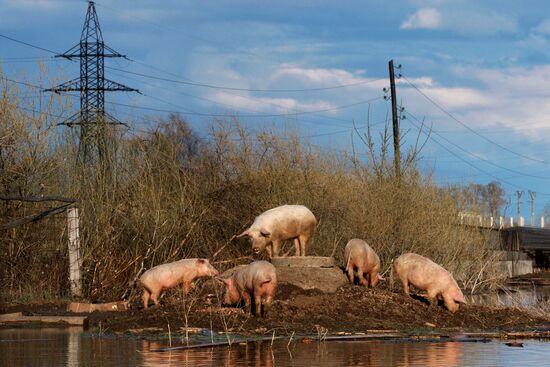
361 277
296 246
187 286
276 248
432 298
145 298
257 306
304 239
267 304
350 273
155 297
405 286
247 302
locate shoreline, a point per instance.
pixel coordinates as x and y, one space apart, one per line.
352 310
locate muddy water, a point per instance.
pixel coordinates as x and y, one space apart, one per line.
62 347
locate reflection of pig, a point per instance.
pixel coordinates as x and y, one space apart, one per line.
282 223
166 276
359 256
257 280
428 276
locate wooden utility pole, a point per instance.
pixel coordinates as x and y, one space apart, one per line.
519 206
395 118
532 193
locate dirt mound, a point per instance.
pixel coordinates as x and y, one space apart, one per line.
351 309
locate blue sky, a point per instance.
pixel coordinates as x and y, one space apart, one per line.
482 69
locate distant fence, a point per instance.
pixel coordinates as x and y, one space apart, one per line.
472 219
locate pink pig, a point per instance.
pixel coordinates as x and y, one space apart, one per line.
166 276
359 256
257 280
276 225
428 276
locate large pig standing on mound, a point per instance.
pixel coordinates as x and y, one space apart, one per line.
166 276
359 256
282 223
428 276
257 280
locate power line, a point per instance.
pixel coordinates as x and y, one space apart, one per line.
466 161
481 158
211 86
468 127
28 44
247 115
261 101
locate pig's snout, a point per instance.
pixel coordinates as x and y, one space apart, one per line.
214 273
256 250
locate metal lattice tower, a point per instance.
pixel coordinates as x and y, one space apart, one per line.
92 119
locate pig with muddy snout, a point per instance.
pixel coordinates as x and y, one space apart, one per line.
256 280
282 223
166 276
424 274
360 258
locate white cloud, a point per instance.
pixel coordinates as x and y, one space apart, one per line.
513 98
427 18
466 22
259 104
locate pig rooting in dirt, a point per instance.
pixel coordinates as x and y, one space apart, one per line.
257 281
361 258
424 274
286 222
166 276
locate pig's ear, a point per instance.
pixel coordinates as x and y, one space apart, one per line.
265 232
201 261
458 297
381 278
245 233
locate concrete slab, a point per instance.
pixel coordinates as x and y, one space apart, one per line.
326 280
91 307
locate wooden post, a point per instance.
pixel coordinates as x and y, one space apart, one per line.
395 123
75 261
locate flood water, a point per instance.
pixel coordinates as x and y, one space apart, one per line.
66 347
526 296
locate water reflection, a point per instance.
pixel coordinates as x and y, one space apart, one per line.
66 347
514 296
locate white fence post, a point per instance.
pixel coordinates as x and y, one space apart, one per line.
521 222
75 261
541 222
511 221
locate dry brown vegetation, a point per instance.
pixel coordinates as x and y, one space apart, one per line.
168 194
